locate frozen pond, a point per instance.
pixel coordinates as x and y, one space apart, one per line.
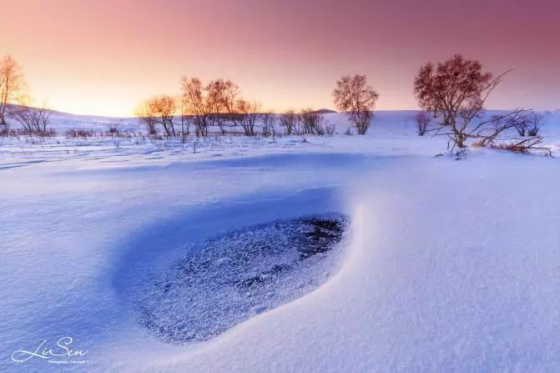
229 278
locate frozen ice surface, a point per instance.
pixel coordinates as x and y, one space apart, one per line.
225 280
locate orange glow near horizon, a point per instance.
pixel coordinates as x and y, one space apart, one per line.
105 57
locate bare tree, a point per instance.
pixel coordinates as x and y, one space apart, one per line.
11 85
196 104
288 120
146 116
458 89
422 122
312 122
247 114
354 96
222 96
268 121
185 121
163 108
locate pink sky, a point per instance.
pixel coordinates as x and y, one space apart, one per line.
106 56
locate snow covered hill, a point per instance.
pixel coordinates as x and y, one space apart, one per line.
446 266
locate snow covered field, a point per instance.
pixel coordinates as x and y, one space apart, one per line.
446 266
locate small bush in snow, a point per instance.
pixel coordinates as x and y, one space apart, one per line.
422 122
330 129
78 133
289 120
114 130
534 124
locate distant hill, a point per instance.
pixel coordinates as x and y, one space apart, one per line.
325 111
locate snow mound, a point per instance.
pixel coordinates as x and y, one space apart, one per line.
227 279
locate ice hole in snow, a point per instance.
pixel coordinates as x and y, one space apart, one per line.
229 278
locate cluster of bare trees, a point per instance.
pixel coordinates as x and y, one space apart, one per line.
208 105
456 90
34 120
289 121
311 122
219 104
305 122
202 106
15 101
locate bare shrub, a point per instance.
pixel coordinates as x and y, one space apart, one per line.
288 120
34 120
163 109
185 121
268 121
311 122
147 117
531 125
534 124
422 122
247 115
113 129
78 133
354 96
330 129
521 128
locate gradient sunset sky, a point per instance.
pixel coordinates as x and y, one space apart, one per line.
106 56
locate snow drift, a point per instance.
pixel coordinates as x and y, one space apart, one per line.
447 266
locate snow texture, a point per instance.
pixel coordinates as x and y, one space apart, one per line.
446 266
227 279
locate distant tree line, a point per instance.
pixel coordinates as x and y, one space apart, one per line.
452 94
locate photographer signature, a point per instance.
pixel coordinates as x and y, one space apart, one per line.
44 351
